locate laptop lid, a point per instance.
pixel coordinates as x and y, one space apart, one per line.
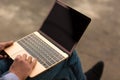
64 26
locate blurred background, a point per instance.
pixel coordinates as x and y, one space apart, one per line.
101 41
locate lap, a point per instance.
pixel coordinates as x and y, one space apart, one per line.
69 69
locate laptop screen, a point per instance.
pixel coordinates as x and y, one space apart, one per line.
65 26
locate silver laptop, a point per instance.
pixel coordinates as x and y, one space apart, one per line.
55 40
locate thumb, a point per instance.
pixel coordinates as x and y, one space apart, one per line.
4 45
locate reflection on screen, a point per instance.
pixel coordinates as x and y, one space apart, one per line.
65 26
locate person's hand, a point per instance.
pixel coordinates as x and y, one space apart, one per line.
22 66
4 45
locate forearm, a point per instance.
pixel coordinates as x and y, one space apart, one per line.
9 76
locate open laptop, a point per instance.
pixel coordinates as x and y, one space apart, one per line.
55 40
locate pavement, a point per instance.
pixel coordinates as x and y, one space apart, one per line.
101 40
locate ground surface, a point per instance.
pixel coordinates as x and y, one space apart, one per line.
101 40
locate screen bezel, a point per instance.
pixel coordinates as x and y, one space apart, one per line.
53 41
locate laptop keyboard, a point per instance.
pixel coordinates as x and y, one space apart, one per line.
45 54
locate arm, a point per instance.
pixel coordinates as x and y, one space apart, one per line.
9 76
20 64
20 69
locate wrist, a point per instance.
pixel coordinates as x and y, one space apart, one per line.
17 74
10 76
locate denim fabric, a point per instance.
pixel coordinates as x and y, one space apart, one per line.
4 65
69 69
72 70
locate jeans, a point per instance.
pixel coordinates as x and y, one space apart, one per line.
69 69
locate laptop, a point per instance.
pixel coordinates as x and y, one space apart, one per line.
55 40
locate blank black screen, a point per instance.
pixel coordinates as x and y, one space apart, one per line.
65 26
